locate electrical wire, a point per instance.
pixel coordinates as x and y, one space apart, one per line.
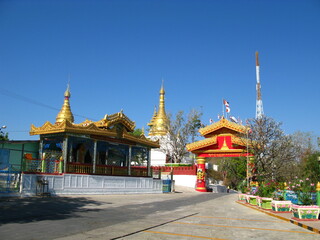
35 102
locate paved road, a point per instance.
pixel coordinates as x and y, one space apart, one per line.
153 216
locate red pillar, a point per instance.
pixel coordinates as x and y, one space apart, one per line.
201 175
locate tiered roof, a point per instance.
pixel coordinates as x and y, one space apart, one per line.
222 138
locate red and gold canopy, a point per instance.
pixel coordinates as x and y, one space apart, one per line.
222 139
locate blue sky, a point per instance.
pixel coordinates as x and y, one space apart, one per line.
117 53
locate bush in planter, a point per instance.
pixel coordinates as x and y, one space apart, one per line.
242 187
304 189
279 204
178 165
266 191
244 191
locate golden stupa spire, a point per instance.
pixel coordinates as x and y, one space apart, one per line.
151 123
65 112
159 120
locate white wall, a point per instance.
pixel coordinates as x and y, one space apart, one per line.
182 180
91 184
158 158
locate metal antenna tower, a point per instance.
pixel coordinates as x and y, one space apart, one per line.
259 106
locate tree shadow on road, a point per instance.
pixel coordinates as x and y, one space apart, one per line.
32 209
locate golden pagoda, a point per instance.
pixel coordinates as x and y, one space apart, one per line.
65 112
159 120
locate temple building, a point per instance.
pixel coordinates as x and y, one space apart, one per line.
158 131
92 147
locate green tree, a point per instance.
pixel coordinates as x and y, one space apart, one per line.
311 168
235 169
137 132
4 136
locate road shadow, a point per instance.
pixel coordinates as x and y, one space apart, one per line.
82 214
33 209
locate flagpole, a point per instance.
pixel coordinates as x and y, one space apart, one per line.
247 158
223 108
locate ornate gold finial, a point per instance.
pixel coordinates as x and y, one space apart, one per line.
162 88
159 121
65 112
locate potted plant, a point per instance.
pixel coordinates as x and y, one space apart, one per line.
265 192
279 204
244 191
252 198
305 209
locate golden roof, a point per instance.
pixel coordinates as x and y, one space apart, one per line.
65 112
116 126
158 123
201 144
104 128
223 123
212 132
120 117
214 140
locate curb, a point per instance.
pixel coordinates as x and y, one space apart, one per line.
282 218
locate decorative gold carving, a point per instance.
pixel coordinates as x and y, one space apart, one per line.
200 174
225 146
220 150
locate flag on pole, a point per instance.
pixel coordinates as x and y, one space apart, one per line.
226 104
233 119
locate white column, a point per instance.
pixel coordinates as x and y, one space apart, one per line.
41 148
149 162
129 160
64 154
95 144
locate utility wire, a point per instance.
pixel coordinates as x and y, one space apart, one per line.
35 102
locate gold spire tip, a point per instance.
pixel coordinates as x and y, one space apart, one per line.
162 87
